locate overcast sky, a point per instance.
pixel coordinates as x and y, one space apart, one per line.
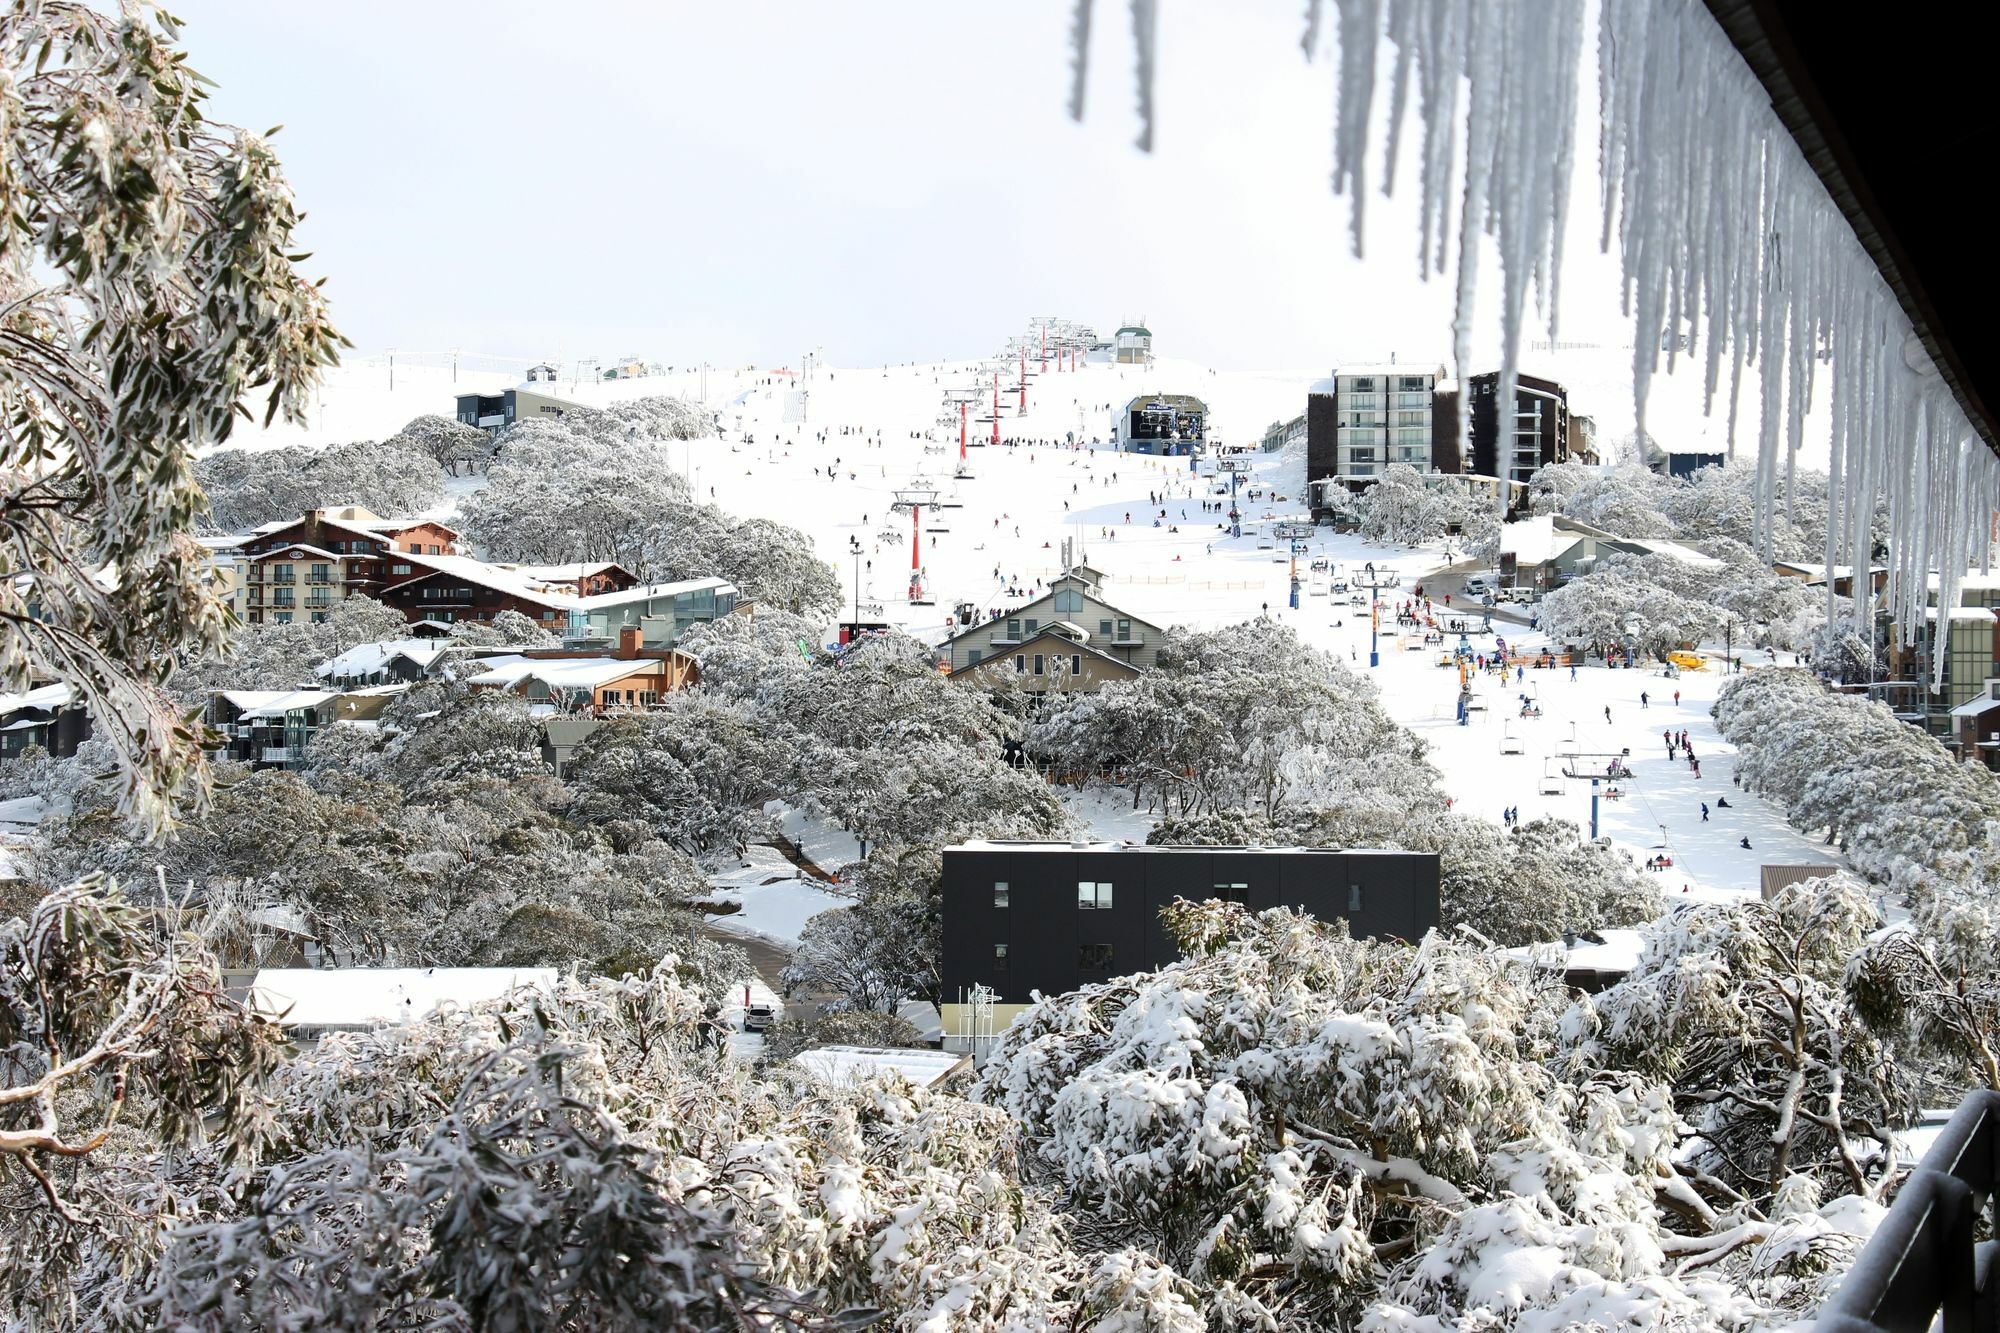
896 180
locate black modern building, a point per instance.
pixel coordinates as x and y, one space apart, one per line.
1021 917
1537 434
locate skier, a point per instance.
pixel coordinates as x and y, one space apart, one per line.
1704 812
1677 698
1643 702
1607 714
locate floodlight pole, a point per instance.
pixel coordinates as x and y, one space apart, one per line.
916 552
996 409
1022 407
961 430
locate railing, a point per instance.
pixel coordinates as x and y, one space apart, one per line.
282 754
1923 1261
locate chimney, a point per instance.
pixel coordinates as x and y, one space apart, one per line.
628 642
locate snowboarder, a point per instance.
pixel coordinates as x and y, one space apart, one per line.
1704 812
1643 700
1607 714
1745 844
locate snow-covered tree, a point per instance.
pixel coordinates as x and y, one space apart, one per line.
146 268
250 487
1744 1008
1400 509
450 443
272 656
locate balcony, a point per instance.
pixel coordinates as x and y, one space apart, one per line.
1923 1258
281 754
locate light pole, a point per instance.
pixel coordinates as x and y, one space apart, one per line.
1374 616
854 625
1728 644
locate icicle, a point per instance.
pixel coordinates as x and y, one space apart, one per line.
1079 46
1360 25
1722 233
1145 28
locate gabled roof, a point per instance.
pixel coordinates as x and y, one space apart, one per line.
368 658
493 577
645 592
1053 644
581 569
510 671
285 551
1015 613
274 703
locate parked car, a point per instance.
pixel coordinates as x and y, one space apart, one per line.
1477 585
759 1017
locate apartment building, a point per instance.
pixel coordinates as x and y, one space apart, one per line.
304 567
1360 419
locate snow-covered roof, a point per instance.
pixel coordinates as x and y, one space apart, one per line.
1029 845
361 997
645 592
274 703
1687 555
1535 541
285 552
579 569
842 1065
511 670
57 695
1974 707
1961 613
368 658
1389 368
513 582
1615 951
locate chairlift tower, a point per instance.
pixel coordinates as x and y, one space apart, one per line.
913 499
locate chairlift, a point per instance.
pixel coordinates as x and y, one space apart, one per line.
1509 742
1608 765
1552 781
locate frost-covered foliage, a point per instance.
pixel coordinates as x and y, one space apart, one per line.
588 1158
1897 804
271 656
1744 1009
509 628
1246 718
698 771
247 488
451 444
1401 510
1624 601
1535 881
105 1017
441 842
146 272
592 487
1316 1132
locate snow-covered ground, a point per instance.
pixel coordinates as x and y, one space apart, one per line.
885 428
776 898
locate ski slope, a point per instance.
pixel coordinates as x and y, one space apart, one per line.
828 454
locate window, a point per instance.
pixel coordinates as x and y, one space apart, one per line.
402 569
1354 897
1104 628
434 550
283 574
999 893
1076 664
319 617
1093 895
1124 630
1014 628
1033 625
972 657
1233 893
1020 664
999 958
281 617
1093 957
1069 599
1038 664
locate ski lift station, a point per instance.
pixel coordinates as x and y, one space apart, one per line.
1162 423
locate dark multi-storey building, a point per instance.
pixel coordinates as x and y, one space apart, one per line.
304 567
1027 917
1536 434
